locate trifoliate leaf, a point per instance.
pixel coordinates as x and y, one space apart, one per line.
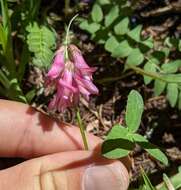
117 143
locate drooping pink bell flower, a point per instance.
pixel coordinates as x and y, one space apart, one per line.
72 78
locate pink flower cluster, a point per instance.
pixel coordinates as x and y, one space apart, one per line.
71 77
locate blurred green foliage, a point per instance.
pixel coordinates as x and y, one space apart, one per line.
33 41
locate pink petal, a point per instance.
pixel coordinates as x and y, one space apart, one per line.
65 90
79 61
87 84
85 71
71 78
67 76
77 57
57 66
62 99
84 92
66 85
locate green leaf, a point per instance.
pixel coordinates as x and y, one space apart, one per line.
171 67
122 50
171 42
83 24
90 27
122 27
97 14
149 67
167 182
4 80
15 92
111 44
104 2
172 93
159 87
166 51
1 33
175 180
148 42
147 181
150 148
2 37
135 57
41 42
172 78
117 144
134 110
30 95
5 17
112 15
135 34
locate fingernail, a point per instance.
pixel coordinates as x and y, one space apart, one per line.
112 176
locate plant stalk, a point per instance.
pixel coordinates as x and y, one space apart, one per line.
151 74
67 36
82 130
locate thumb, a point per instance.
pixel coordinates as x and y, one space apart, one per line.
78 170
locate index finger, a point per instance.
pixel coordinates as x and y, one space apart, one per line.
25 132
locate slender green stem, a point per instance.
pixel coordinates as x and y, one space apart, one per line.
154 75
162 77
156 66
143 72
82 131
67 36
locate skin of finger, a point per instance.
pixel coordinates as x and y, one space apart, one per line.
34 134
57 171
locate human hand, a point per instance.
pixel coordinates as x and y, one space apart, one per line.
54 153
